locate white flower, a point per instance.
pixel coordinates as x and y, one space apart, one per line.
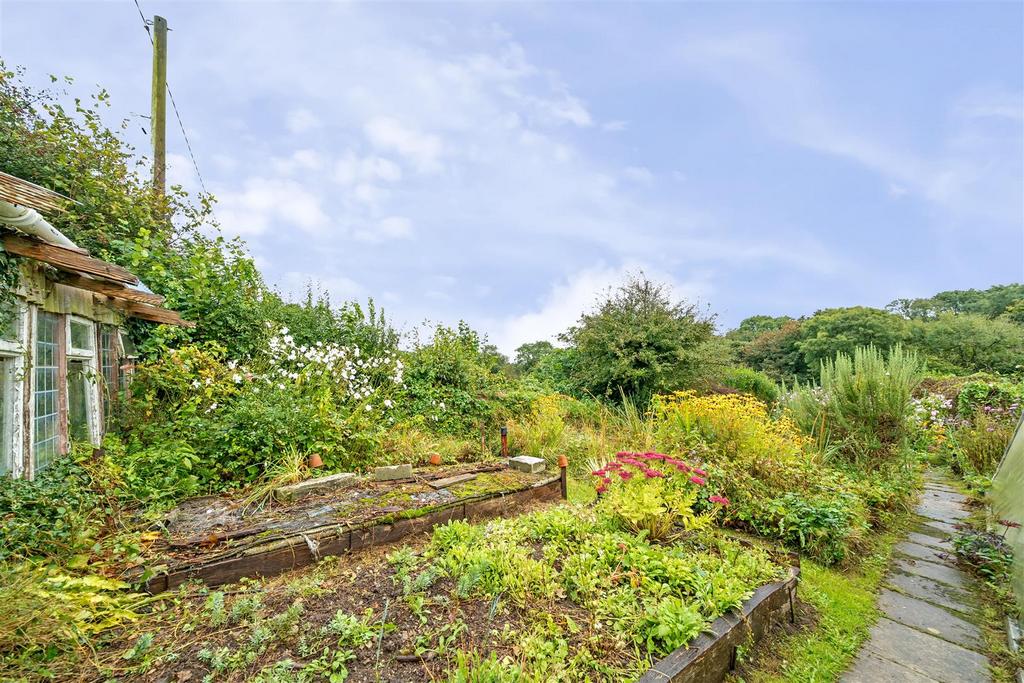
368 407
388 403
236 378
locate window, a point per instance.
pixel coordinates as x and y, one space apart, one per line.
45 420
10 329
8 414
108 370
80 336
127 360
81 381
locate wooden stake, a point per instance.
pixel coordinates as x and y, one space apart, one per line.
158 122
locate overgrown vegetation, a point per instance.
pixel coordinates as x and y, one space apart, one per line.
690 436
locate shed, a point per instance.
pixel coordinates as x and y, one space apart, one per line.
64 357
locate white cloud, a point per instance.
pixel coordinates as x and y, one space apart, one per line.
971 173
639 174
569 298
180 171
300 160
352 169
390 228
294 285
301 120
614 126
422 149
263 202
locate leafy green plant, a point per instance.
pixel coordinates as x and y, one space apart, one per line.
863 403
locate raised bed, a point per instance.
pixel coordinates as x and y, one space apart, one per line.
300 547
712 655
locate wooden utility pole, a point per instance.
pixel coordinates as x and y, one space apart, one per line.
158 123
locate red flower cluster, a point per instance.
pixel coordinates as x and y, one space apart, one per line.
627 464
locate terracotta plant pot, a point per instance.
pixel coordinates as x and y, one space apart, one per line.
563 461
435 459
315 461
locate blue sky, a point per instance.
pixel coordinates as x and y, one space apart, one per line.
504 163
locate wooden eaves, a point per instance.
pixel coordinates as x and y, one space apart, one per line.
92 274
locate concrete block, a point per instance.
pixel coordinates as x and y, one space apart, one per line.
526 463
311 487
390 472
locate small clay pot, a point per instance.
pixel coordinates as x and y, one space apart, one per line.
435 459
563 461
314 461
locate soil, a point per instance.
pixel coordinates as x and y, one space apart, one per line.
352 584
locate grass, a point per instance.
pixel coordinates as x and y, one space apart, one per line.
837 611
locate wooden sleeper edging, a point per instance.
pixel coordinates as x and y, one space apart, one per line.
301 549
710 656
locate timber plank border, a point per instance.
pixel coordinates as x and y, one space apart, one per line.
712 655
301 549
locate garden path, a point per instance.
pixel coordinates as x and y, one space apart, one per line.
927 632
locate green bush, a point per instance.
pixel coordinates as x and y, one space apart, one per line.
752 382
862 407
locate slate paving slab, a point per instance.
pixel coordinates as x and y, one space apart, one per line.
942 496
943 573
927 655
920 552
925 633
940 542
928 618
931 591
941 511
937 526
870 668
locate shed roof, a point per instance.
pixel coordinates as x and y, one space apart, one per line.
78 268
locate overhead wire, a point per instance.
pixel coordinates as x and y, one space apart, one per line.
174 106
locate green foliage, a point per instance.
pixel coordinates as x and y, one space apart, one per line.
777 353
986 554
841 330
756 325
751 382
967 343
638 343
862 407
990 303
52 515
530 354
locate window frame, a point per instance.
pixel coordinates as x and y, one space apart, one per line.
60 388
90 359
12 385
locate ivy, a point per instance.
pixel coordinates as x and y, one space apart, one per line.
10 271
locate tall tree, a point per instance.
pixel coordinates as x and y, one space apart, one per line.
639 342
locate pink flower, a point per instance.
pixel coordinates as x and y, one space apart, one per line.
697 480
598 473
602 488
653 474
623 454
683 467
606 481
699 472
626 475
613 466
720 500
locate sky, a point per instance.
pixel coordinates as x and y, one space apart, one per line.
506 163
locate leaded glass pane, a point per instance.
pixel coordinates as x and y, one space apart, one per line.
45 441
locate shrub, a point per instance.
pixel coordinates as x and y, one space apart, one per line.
651 493
752 382
862 406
